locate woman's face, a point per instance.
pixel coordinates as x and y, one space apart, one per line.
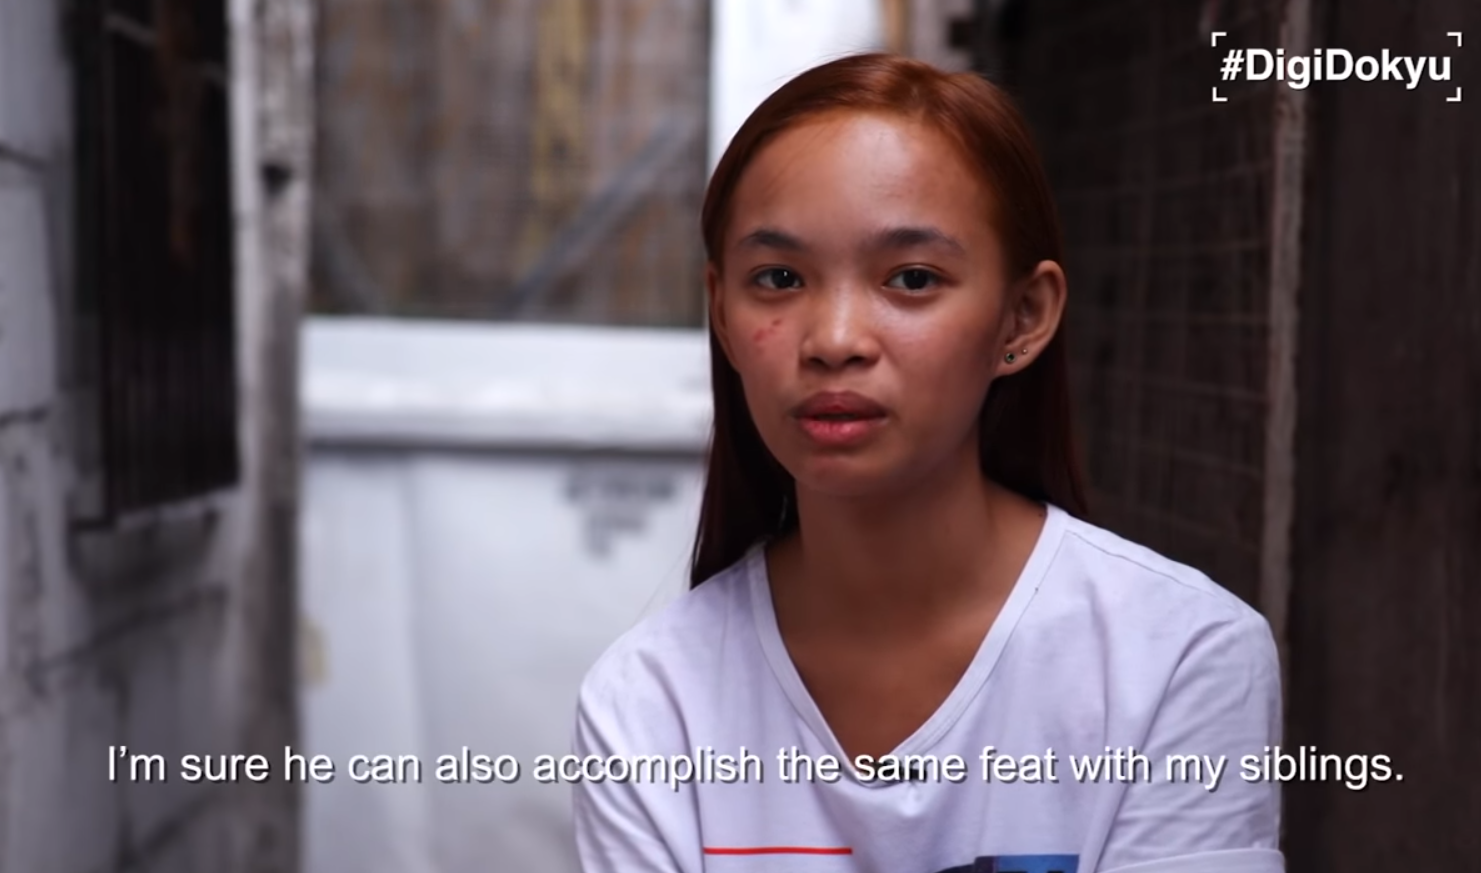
864 301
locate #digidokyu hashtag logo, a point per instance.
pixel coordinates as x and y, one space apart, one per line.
1332 65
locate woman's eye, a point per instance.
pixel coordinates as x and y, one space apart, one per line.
914 279
779 278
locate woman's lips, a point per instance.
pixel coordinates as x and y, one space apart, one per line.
836 403
839 418
835 431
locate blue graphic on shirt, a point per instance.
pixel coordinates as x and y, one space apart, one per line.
1020 864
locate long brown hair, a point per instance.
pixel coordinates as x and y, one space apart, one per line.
1027 441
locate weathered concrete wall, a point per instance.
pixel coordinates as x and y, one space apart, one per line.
177 637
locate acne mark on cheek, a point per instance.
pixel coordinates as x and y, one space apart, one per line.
764 333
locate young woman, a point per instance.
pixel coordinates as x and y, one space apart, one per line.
892 566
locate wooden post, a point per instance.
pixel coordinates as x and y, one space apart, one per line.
897 25
557 136
1288 156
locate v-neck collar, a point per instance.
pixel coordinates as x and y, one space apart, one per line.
967 688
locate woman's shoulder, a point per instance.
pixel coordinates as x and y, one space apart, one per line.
1112 602
1117 573
676 644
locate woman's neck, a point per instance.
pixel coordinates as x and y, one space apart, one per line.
956 542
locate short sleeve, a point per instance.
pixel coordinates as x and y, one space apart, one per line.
623 825
1223 702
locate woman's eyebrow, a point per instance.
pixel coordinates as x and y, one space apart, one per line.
913 237
770 238
889 238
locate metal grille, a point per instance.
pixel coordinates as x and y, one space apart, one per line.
156 271
1165 197
496 160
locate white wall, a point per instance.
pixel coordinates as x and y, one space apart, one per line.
757 45
167 638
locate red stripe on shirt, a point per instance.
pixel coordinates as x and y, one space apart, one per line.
779 850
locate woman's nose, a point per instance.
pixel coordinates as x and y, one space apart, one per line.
840 329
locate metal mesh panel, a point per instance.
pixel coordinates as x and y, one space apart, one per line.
512 160
156 267
1165 198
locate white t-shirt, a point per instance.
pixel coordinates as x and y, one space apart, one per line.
1102 644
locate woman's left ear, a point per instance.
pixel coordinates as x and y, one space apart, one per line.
1037 311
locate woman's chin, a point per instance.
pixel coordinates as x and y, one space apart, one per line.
847 477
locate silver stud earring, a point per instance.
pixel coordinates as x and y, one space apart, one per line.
1010 357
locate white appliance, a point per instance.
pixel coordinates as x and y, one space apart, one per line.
486 508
